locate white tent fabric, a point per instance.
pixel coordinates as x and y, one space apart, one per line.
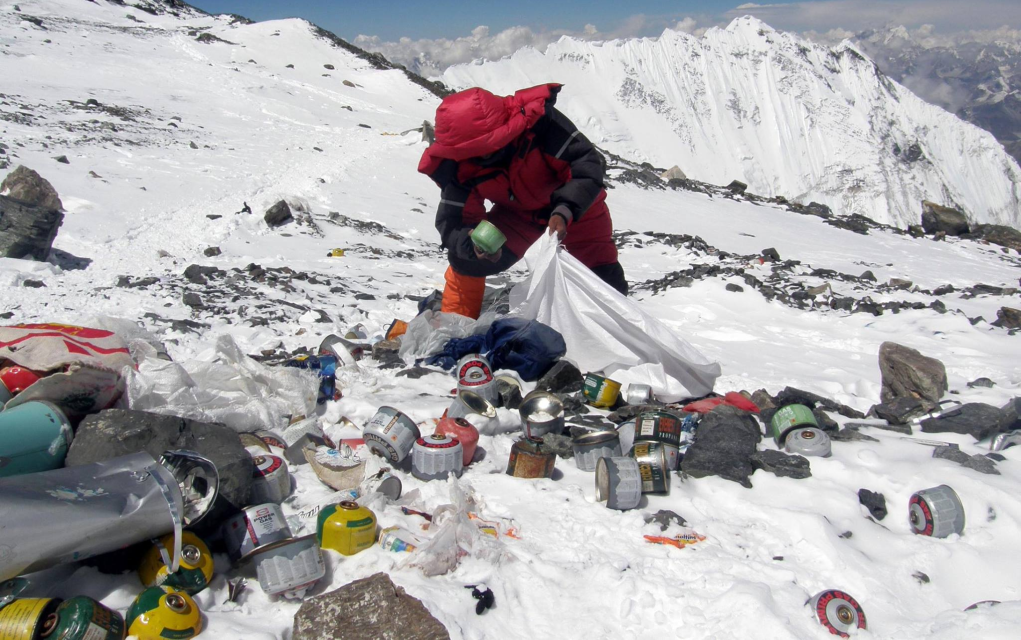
604 330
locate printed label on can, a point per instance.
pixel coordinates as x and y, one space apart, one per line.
390 434
397 540
95 632
436 456
625 483
256 527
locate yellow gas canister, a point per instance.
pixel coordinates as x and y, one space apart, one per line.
346 528
163 612
22 619
192 576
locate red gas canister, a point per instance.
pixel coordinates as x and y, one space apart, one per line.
17 379
464 431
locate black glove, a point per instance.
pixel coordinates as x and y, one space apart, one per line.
460 244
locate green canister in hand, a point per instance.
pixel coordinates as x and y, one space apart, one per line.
487 238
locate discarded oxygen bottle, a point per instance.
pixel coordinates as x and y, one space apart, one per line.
101 507
936 512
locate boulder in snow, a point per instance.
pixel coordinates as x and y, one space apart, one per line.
936 218
906 373
782 465
28 187
724 444
278 214
27 232
673 173
974 418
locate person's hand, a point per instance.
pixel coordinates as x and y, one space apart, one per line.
558 226
492 257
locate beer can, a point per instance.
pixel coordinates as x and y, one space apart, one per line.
638 394
163 612
936 512
391 434
385 483
809 442
290 568
838 612
474 373
653 466
599 391
346 528
658 426
271 481
398 540
23 618
531 459
82 618
618 483
789 417
194 573
589 448
254 528
437 456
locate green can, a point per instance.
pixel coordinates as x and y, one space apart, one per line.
82 618
788 418
487 237
599 391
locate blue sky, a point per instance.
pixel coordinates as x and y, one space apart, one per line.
390 20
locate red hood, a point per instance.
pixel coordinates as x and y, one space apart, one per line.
475 122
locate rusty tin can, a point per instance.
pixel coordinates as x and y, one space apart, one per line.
531 459
271 482
437 456
618 483
589 448
474 373
653 466
391 434
253 529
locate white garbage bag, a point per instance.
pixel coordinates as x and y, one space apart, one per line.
604 330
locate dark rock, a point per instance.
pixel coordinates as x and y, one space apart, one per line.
509 394
563 377
997 457
212 252
665 518
1008 318
372 608
62 160
762 399
278 214
847 535
998 234
855 222
559 444
329 66
867 306
27 232
348 83
736 288
868 276
826 423
33 284
938 306
1011 415
982 382
900 283
981 464
725 440
193 300
943 290
791 395
975 418
364 296
387 352
874 502
416 372
737 187
197 274
118 432
772 254
936 218
128 283
899 410
28 187
819 210
921 577
906 373
193 145
781 464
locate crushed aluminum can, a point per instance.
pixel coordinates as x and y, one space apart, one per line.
589 448
391 434
1005 440
531 459
474 373
638 394
809 442
235 587
253 529
385 483
165 497
936 512
271 481
436 457
838 612
618 483
290 568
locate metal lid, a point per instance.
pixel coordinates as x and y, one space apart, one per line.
476 403
595 437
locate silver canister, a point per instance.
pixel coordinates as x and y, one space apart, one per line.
290 568
271 481
436 456
391 434
618 483
474 373
253 529
385 483
75 513
589 448
347 353
936 512
638 394
467 403
653 466
809 442
541 413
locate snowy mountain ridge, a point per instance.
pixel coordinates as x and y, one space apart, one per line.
782 114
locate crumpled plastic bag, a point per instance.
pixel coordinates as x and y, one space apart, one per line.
604 330
456 536
430 331
226 386
527 347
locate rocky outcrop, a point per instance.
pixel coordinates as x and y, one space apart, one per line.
936 218
906 373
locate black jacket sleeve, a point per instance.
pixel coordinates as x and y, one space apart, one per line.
560 139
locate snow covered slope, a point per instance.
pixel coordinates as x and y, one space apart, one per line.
144 204
784 115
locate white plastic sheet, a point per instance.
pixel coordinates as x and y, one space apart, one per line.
430 331
604 330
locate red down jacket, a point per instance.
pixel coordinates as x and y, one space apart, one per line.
521 154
